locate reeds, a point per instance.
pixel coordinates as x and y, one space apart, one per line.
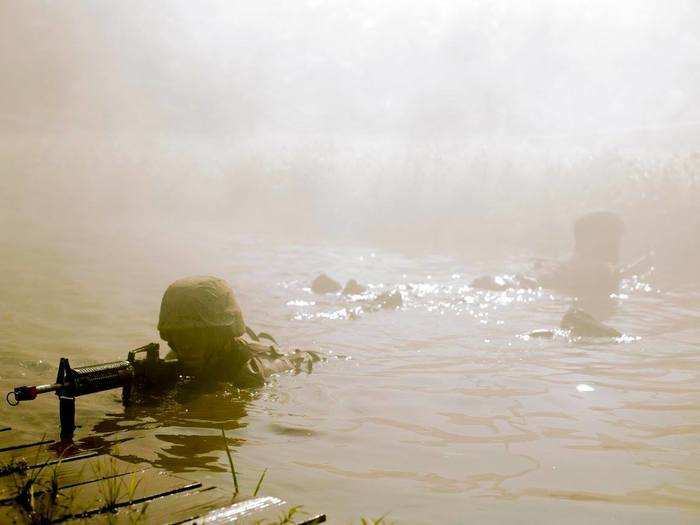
39 498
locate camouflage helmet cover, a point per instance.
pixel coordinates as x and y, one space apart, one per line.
199 302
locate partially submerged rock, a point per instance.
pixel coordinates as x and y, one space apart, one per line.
583 324
542 333
500 283
389 300
353 288
527 283
324 284
495 283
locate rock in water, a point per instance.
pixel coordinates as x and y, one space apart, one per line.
541 334
389 300
584 324
500 283
324 284
353 288
489 282
526 283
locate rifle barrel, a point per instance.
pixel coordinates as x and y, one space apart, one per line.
28 393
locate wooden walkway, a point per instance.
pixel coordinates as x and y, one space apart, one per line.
41 483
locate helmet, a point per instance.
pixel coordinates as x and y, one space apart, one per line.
198 315
200 302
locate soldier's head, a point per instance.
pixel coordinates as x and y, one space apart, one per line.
598 237
199 316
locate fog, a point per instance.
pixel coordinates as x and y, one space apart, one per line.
430 125
435 155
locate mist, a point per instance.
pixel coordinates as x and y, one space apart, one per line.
430 125
394 193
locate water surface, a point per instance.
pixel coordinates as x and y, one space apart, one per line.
439 412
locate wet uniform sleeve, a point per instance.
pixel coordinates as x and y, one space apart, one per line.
256 362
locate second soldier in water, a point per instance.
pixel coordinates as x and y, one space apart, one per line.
202 323
590 276
592 270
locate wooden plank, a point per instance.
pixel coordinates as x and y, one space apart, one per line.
70 472
85 485
9 441
313 520
195 505
18 466
89 482
37 453
251 511
265 507
12 515
10 460
168 509
259 508
14 446
90 499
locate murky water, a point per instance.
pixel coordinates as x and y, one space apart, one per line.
441 412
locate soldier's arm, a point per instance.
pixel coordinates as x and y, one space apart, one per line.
266 360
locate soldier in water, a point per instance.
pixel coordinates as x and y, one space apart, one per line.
592 271
202 323
590 275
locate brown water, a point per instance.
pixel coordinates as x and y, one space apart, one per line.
441 412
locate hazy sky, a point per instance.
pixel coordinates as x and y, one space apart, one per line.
404 119
417 68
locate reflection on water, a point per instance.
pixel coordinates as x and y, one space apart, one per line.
436 410
174 420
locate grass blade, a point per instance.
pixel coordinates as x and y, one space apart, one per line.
230 461
260 481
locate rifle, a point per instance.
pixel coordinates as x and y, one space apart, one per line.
641 266
73 382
